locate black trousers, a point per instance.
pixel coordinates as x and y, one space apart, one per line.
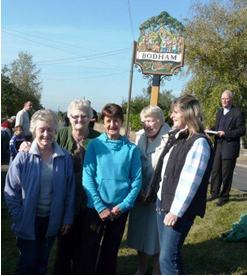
101 242
69 247
222 174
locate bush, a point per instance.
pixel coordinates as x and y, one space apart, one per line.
135 122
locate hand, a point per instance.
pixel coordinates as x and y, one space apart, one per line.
65 229
25 146
105 214
116 212
221 133
170 219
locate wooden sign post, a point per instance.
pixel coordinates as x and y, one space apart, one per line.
155 90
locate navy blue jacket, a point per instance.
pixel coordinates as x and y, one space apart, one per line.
234 129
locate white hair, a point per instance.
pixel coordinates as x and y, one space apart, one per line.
82 105
229 93
152 111
45 115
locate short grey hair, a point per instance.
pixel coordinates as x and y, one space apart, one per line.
82 105
228 92
44 115
152 111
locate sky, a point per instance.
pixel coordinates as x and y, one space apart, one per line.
83 48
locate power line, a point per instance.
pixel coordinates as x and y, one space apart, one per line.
23 35
57 42
33 41
79 58
131 21
84 77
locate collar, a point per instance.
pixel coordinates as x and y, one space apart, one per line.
57 150
181 132
226 110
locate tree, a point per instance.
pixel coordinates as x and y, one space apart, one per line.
25 75
20 83
10 97
216 53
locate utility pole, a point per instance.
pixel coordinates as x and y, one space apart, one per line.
130 87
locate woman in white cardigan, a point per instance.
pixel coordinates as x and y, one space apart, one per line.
142 228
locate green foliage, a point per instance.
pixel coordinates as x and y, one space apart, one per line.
165 20
13 99
135 122
19 85
136 104
216 53
25 75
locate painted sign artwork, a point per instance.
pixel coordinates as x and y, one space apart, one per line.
159 52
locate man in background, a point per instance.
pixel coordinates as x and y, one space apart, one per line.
23 119
230 126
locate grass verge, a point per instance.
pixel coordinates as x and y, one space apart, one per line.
204 251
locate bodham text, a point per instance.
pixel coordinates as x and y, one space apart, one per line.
158 56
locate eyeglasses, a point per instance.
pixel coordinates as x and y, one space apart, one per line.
76 117
149 122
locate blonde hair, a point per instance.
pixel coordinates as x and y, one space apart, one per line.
191 110
45 115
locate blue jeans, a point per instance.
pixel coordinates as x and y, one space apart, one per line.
34 254
171 242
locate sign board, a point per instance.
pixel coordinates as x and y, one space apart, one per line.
159 52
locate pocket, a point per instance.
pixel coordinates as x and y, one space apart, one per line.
113 191
18 221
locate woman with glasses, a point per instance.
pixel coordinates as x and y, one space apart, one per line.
75 139
142 228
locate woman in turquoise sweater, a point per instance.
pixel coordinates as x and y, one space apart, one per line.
112 181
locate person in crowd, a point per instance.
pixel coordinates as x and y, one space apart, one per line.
142 227
181 178
94 119
15 142
66 120
230 126
75 139
8 124
5 125
22 119
5 138
112 181
39 193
